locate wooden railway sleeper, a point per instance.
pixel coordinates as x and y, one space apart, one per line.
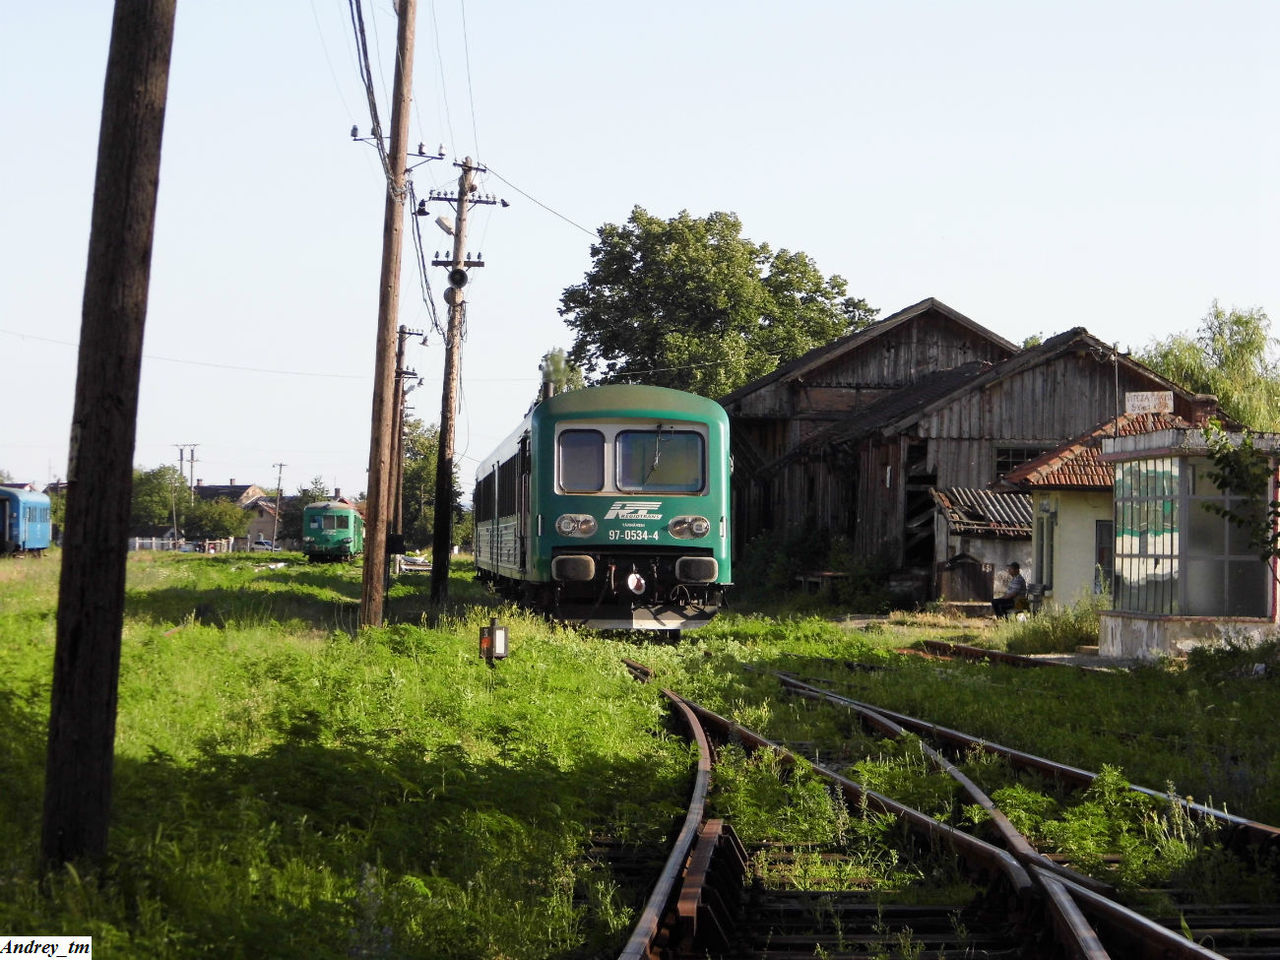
710 899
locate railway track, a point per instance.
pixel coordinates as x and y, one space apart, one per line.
720 899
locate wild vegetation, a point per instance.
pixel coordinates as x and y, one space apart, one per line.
288 786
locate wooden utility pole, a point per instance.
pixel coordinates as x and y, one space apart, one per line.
86 668
384 390
455 297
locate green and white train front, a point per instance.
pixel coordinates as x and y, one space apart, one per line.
640 525
609 508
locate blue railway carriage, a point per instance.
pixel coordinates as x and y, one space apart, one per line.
608 507
332 530
24 522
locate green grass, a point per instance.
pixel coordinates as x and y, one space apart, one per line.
285 788
289 786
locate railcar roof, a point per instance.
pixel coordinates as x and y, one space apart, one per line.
628 399
19 495
330 505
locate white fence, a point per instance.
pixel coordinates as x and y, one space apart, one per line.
183 546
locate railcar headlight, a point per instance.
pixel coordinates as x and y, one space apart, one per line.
575 525
689 528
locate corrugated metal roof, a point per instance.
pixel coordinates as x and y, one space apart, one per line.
985 513
1077 465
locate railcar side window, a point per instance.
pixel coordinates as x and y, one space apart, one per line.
660 461
580 456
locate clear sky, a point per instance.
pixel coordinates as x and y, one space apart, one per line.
1037 166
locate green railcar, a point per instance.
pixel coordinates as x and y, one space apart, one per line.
609 507
332 530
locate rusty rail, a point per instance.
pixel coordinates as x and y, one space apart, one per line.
948 648
1252 830
648 932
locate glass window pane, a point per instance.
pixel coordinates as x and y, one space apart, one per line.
660 461
1206 531
580 454
344 522
1205 587
1255 514
1248 588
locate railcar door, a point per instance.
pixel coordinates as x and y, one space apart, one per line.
522 506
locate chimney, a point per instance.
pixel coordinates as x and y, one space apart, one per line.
233 482
199 482
337 493
1204 406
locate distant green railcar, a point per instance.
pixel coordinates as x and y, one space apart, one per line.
609 507
332 530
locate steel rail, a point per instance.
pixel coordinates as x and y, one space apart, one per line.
1168 944
642 944
1252 830
1014 841
967 845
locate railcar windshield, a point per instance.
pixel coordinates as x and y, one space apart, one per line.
330 521
654 461
582 461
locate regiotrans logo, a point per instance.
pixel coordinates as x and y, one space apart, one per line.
634 510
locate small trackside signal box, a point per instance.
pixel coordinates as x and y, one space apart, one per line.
493 642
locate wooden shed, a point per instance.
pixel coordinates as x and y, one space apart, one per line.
852 438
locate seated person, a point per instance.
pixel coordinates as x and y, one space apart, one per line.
1015 588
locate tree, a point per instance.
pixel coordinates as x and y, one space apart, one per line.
1245 472
6 476
158 495
421 450
691 303
562 373
1229 356
215 520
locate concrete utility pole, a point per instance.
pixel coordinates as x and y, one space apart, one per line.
380 440
86 668
275 524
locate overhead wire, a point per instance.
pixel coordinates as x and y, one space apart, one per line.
444 90
324 47
366 76
532 199
471 97
420 257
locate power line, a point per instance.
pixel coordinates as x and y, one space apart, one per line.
572 223
471 97
366 76
444 90
324 47
199 363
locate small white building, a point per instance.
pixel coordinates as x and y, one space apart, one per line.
1073 525
1184 575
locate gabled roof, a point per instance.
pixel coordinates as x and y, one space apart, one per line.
887 409
1077 465
1075 340
984 513
820 356
238 493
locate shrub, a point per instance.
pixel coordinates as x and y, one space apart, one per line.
1057 629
